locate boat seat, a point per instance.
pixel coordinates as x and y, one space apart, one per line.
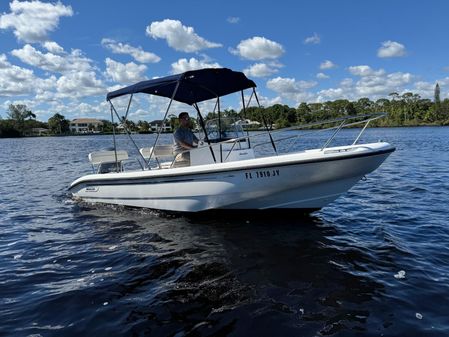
106 160
159 151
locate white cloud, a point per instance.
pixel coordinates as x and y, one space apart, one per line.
86 109
365 71
258 48
292 89
53 47
183 65
346 82
262 69
282 84
60 63
372 83
32 21
327 65
136 52
79 84
322 76
17 81
125 73
391 49
427 89
331 94
178 36
233 19
314 39
266 101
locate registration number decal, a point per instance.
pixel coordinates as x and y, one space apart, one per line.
262 174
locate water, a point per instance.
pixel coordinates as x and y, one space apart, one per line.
373 263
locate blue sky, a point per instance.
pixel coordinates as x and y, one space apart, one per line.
65 56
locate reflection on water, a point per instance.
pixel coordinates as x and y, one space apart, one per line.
168 275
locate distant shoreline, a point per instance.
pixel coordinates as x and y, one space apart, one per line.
155 133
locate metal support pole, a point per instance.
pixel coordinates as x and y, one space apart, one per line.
203 126
333 135
128 133
244 117
360 134
113 137
266 125
165 117
127 109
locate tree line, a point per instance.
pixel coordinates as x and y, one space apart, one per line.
408 109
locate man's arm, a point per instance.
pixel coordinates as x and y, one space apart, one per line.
185 145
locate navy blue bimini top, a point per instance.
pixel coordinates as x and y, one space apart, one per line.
194 86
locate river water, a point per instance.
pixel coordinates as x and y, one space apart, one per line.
373 263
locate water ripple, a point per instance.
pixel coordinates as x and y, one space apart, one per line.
375 262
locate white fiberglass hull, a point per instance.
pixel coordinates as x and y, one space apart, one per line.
306 180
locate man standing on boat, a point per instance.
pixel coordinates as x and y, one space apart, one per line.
184 140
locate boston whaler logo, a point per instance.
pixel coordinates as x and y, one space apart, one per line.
91 189
262 174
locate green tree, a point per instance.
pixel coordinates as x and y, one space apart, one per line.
18 113
303 113
143 126
437 94
8 129
58 124
173 120
107 126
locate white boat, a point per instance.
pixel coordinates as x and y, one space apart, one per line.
225 171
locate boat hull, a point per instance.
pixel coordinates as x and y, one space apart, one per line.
307 180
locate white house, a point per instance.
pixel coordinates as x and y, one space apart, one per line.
248 124
156 126
85 125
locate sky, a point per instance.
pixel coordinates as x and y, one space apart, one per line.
64 57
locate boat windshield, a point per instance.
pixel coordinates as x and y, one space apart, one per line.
222 129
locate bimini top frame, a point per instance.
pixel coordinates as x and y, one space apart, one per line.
190 88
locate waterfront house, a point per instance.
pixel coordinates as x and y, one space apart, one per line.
156 126
248 124
85 125
37 132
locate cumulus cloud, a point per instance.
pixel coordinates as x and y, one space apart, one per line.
32 21
292 89
327 65
314 39
86 109
282 84
78 76
178 36
233 19
53 47
79 84
365 71
258 48
17 81
427 89
370 83
125 73
391 49
322 76
136 52
61 62
183 65
265 101
262 69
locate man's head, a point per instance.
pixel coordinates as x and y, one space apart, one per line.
184 118
183 115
